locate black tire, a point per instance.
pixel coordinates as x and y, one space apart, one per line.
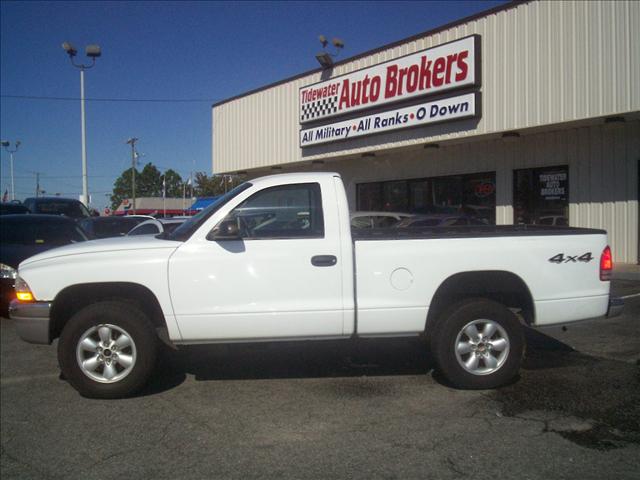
449 329
120 317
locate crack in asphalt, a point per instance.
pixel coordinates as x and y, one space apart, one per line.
453 467
5 454
160 442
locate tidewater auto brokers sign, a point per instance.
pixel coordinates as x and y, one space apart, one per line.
450 66
452 108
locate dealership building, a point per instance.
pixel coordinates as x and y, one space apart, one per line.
524 114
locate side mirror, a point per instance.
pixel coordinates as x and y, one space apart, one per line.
227 230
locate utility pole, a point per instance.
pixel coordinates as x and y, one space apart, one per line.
184 189
37 184
132 141
191 179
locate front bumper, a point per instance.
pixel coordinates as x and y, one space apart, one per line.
32 321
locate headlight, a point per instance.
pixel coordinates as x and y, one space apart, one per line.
23 292
7 272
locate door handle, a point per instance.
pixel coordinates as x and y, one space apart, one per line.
324 260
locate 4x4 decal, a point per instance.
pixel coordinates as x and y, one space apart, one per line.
561 258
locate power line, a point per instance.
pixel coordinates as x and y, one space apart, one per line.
75 99
52 192
45 176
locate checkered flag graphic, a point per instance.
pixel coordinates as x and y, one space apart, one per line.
319 108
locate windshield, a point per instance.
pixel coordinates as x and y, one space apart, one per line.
184 231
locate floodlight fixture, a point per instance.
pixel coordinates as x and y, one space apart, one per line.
510 137
70 49
324 59
93 51
613 120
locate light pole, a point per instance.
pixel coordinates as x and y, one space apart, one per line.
184 195
134 155
164 194
93 52
6 145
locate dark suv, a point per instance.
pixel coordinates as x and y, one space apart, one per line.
12 208
68 207
22 236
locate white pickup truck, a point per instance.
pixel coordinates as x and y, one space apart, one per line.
275 259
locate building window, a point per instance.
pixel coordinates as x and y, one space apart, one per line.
472 195
394 196
541 196
370 197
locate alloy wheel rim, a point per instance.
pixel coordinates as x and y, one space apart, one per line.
106 353
482 347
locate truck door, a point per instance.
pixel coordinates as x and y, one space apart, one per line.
270 269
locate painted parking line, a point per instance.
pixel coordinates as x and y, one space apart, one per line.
27 378
631 296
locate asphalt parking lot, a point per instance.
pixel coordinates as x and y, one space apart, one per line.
335 410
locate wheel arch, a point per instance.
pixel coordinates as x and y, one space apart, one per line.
73 298
501 286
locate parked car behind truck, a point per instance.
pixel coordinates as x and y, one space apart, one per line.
224 277
68 207
112 226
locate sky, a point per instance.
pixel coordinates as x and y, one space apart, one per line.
156 55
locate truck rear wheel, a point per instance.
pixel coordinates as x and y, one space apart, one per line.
478 344
107 350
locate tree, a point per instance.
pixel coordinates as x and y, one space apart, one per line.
148 184
173 184
215 185
122 188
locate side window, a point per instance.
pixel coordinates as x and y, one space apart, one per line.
288 211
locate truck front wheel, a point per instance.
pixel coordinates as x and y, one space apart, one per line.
478 344
107 350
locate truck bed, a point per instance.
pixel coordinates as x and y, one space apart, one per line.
398 270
